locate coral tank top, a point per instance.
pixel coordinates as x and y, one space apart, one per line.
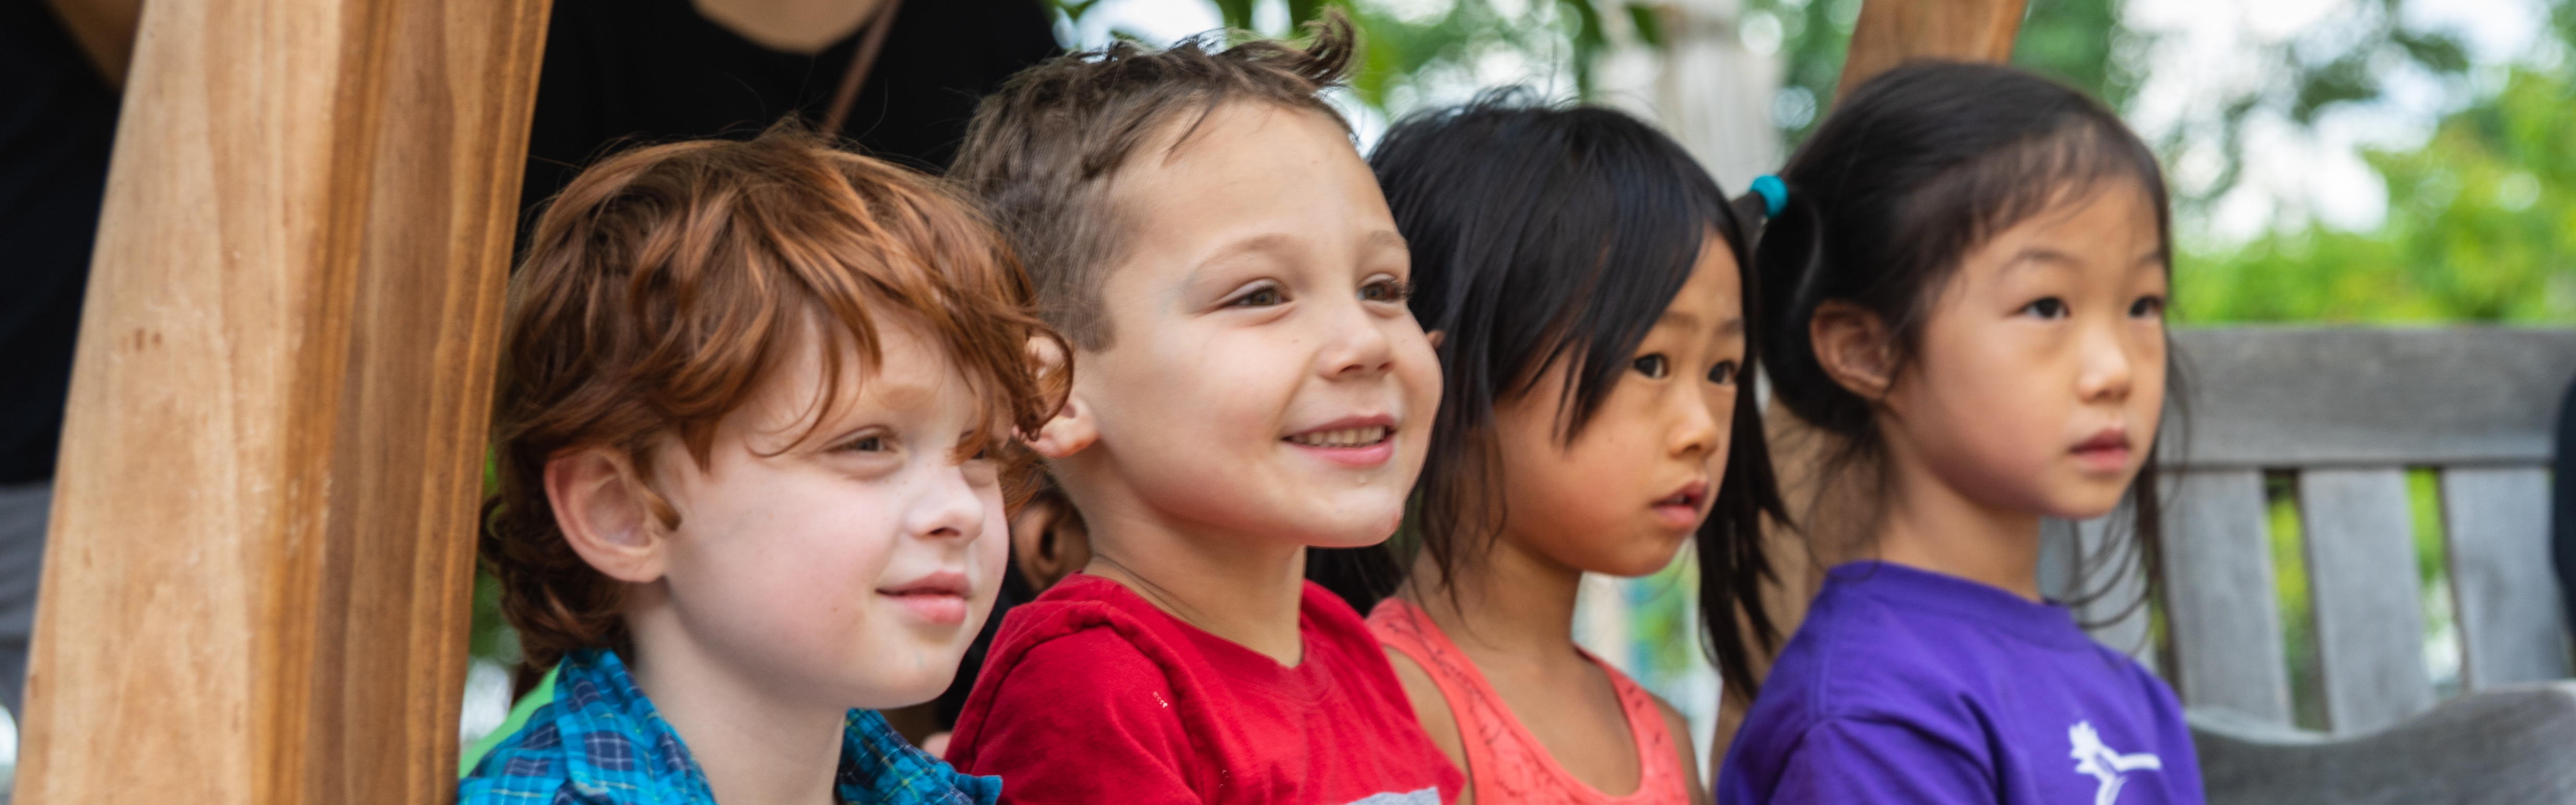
1505 764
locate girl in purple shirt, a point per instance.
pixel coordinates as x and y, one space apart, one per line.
1966 272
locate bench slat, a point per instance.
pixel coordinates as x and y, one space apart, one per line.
2510 630
2218 596
2123 632
2071 563
2269 397
2369 616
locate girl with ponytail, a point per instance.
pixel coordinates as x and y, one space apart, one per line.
1965 287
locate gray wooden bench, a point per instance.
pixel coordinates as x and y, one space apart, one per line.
2348 411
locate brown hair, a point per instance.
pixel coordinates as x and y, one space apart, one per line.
666 283
1040 152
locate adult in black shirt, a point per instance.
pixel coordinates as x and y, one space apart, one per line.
624 72
57 120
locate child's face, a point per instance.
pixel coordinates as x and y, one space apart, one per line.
851 568
1266 380
1636 482
2041 372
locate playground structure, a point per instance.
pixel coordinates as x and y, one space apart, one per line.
262 542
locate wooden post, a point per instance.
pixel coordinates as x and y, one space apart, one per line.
1890 33
257 589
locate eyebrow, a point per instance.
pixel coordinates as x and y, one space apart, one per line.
2041 254
1272 243
1677 318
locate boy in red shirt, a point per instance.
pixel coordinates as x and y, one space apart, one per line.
1249 383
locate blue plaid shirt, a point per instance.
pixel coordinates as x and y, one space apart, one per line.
600 742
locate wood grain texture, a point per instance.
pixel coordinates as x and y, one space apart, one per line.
2370 397
263 528
2499 747
1889 34
2508 605
2219 601
2361 578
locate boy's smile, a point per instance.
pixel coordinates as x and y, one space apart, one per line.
1359 441
1263 378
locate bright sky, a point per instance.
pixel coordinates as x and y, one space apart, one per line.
2204 47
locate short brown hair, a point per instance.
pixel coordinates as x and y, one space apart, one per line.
1040 152
664 284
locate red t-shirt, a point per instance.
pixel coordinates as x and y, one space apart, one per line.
1091 694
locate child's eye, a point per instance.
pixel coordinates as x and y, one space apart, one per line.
1723 373
2046 308
865 444
1653 366
2148 307
1264 296
1386 291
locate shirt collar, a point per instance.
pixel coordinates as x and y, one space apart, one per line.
626 753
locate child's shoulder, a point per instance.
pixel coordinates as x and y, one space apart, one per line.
527 766
1859 657
1086 620
597 741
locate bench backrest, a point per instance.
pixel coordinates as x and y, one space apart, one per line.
2348 411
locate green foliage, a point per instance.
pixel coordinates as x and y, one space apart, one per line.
2481 227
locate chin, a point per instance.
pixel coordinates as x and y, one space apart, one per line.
891 690
2085 504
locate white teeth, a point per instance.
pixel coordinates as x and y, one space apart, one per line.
1346 437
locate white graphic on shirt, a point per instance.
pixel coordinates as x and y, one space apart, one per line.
1427 796
2111 768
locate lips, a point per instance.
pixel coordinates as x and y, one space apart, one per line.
1355 441
2106 450
1681 509
939 598
1346 437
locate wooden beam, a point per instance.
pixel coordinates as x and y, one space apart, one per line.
1892 32
258 580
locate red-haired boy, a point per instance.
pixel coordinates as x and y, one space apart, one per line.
751 398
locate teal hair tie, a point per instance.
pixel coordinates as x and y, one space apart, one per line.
1775 195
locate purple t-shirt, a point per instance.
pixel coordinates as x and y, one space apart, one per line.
1915 687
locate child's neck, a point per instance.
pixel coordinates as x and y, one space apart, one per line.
1928 524
1245 588
756 746
1509 604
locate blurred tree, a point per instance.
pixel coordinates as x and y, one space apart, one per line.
2481 227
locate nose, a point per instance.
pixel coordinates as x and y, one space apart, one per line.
2107 366
1358 346
1702 422
947 506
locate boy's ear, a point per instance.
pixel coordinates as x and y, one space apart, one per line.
1435 337
600 506
1852 345
1072 428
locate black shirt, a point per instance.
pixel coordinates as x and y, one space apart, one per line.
624 72
57 121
